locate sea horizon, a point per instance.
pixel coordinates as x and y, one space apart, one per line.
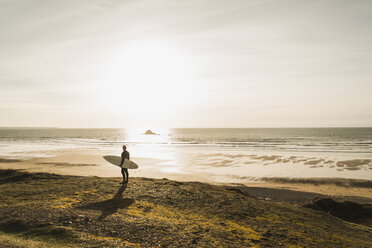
268 127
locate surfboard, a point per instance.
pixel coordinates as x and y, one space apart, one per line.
116 160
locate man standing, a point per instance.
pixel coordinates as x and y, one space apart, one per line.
124 171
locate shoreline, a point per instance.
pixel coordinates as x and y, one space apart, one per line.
89 163
227 167
339 188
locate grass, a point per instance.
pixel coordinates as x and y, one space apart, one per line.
42 210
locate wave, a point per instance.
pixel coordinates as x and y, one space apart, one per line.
299 140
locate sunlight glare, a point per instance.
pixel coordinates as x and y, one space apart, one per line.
149 77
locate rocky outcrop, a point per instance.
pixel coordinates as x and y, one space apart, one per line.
346 210
149 132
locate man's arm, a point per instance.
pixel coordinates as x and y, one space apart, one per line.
126 155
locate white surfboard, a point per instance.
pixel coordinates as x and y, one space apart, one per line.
116 160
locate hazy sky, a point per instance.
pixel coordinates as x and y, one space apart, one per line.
199 63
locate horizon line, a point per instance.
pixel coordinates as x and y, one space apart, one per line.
46 127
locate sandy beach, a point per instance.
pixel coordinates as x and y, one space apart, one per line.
87 163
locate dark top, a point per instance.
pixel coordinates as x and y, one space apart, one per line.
124 154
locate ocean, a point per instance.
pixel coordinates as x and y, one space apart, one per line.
237 154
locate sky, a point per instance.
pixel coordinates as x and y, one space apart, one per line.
197 63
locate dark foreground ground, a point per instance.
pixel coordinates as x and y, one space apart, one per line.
45 210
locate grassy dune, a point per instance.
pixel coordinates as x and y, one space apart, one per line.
45 210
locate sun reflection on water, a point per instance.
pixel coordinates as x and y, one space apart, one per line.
137 135
156 147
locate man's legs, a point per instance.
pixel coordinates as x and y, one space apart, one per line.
127 175
124 174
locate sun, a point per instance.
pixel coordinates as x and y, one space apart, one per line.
149 78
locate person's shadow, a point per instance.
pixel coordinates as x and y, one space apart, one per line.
111 206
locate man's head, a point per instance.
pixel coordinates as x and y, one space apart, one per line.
124 148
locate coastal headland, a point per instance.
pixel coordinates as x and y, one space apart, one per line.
49 210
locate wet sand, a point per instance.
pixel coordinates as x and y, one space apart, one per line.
91 164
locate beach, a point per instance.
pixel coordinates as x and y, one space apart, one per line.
322 161
213 155
88 163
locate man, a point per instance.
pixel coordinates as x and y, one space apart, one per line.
124 171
